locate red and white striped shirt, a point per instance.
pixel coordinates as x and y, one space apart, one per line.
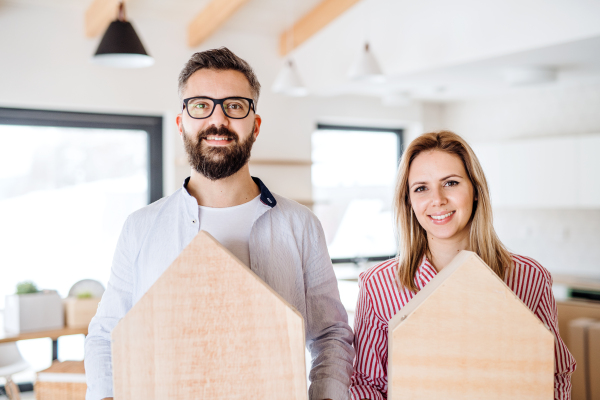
380 299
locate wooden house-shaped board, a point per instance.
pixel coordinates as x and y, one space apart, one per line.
209 328
467 336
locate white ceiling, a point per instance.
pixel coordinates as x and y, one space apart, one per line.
443 51
430 49
577 62
270 17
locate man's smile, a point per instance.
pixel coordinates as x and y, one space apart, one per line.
214 140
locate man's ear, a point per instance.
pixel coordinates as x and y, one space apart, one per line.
179 121
257 122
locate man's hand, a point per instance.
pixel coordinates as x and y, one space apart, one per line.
107 398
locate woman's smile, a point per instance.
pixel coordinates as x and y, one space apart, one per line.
441 219
441 195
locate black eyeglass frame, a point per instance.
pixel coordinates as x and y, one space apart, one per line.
217 102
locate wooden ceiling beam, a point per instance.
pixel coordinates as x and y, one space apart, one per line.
99 15
215 14
315 20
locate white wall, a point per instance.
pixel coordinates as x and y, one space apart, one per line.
44 64
562 234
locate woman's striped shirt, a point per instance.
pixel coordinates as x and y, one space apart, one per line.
380 299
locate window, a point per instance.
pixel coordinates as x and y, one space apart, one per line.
353 177
67 183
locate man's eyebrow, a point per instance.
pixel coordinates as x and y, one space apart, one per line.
442 179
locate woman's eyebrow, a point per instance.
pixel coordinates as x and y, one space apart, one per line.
442 179
450 176
418 183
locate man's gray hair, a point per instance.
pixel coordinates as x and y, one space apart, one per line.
219 59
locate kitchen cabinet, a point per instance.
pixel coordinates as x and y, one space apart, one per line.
551 172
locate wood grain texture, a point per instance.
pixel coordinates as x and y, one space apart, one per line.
311 23
215 14
49 387
466 336
65 367
59 391
99 15
52 334
209 328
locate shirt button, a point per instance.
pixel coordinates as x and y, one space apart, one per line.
194 221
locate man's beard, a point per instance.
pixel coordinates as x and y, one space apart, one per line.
218 162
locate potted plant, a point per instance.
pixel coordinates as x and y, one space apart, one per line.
30 309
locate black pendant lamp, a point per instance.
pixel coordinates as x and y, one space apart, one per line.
120 46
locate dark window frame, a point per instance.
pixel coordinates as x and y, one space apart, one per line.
152 125
399 132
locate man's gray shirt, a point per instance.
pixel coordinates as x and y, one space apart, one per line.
287 250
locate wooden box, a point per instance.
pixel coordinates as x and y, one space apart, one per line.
79 312
209 328
62 381
467 336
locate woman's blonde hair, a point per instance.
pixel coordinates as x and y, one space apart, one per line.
412 237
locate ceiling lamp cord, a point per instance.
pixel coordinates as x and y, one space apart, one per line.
288 81
121 15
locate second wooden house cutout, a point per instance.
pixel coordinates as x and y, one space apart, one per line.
209 328
467 336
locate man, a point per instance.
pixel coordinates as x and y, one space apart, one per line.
280 240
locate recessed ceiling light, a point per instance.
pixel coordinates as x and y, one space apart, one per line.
518 76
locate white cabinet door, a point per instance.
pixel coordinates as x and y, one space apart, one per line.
559 172
588 177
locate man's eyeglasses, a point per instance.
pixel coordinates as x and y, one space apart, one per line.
233 107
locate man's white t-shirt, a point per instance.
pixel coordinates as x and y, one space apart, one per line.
231 226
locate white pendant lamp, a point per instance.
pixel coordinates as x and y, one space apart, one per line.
288 81
121 47
366 67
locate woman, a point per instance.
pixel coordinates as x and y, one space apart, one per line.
442 206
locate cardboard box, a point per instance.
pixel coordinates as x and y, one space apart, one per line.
573 309
33 312
79 312
578 346
62 381
593 358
